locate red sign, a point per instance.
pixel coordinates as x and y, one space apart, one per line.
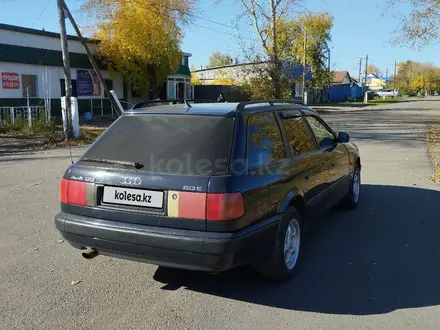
10 80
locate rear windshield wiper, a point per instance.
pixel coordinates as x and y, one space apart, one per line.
110 161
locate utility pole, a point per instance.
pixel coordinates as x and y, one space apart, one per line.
360 70
394 78
113 100
66 67
366 73
387 73
329 72
304 64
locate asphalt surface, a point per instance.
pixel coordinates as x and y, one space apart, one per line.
374 268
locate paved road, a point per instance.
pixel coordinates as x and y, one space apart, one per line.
375 268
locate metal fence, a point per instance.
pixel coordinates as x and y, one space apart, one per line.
10 115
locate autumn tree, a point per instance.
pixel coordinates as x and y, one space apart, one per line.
140 38
422 25
219 59
195 79
316 28
414 77
265 16
372 69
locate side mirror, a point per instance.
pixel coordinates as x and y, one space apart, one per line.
343 137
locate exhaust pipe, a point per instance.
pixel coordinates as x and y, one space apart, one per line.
90 254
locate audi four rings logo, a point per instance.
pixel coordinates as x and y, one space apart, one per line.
135 181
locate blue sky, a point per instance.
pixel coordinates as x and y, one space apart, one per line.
359 29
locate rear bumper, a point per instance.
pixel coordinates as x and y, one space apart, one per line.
177 248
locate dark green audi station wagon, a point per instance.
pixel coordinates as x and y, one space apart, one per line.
208 186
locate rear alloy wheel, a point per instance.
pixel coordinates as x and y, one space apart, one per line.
351 200
292 241
283 261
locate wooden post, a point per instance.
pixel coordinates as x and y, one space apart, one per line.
366 73
11 110
29 110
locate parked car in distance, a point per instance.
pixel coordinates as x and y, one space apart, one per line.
372 95
209 186
389 92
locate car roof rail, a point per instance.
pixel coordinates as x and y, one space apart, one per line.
144 104
241 107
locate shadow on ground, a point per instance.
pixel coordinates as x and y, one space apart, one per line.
382 257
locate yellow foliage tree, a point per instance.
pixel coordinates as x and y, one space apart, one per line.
195 80
414 77
372 69
290 39
223 81
140 38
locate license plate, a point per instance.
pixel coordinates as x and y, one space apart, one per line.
134 197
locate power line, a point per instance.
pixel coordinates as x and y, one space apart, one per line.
222 24
33 24
188 14
383 63
353 57
41 14
223 32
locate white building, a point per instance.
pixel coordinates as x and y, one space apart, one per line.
31 67
241 73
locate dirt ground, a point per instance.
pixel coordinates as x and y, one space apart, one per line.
15 142
433 146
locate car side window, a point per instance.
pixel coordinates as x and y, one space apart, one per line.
265 145
325 137
299 136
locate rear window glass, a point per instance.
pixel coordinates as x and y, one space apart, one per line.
178 144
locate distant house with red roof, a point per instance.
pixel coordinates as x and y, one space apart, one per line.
343 78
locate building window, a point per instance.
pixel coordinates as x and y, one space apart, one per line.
188 91
63 88
171 90
29 83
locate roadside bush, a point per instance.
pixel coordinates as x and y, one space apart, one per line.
262 88
21 125
408 92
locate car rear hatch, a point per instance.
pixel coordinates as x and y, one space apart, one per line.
151 169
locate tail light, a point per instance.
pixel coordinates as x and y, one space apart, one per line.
224 206
212 207
73 192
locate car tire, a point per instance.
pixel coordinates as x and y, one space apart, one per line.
283 261
351 200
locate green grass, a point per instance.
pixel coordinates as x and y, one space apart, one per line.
386 101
